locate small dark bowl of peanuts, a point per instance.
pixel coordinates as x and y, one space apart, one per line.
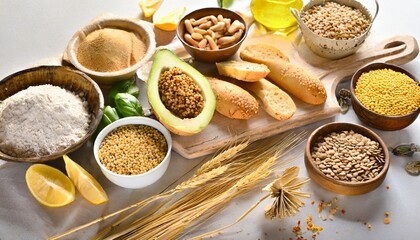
346 158
212 34
385 96
133 152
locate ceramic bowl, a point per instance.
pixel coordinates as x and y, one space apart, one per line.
67 78
141 28
331 48
376 120
211 56
337 186
139 180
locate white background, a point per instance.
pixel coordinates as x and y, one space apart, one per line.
32 31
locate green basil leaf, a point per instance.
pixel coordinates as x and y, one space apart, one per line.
127 86
110 115
127 105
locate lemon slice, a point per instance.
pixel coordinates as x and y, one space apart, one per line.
90 189
169 21
49 186
149 7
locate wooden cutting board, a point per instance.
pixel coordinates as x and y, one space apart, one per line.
396 50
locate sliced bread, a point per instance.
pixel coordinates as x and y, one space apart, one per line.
276 102
243 70
257 52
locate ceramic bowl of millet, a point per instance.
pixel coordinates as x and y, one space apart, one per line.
123 170
329 47
377 120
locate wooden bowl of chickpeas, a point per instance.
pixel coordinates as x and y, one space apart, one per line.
385 96
212 34
346 158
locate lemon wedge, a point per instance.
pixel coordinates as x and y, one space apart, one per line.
49 186
87 185
169 21
149 7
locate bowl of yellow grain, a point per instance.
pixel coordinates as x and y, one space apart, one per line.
111 49
133 152
385 96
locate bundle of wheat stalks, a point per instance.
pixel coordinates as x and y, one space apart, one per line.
230 173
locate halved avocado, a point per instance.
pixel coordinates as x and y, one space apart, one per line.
164 60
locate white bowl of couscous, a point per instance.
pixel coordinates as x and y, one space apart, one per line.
133 152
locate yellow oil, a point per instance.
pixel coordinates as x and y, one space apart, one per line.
275 14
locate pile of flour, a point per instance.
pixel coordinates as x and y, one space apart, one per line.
41 120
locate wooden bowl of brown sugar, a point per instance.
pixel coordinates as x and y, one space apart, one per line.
47 111
346 158
385 96
111 49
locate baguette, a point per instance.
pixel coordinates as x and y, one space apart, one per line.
294 79
276 102
242 70
233 101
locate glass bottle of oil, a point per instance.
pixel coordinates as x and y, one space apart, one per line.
275 14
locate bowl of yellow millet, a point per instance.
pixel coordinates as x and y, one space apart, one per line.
133 152
385 96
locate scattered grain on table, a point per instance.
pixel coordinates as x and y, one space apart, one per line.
387 219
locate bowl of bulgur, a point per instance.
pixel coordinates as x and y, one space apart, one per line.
133 152
385 96
346 158
334 28
110 49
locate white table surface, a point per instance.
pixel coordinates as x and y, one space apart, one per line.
32 31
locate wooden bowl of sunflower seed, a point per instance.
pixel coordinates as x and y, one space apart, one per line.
346 158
